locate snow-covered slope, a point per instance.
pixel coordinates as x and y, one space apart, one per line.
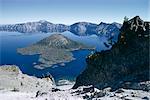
17 86
82 93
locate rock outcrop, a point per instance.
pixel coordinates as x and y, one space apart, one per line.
127 62
12 79
17 86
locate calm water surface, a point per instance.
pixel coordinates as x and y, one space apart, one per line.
10 41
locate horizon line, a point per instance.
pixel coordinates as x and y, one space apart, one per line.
62 23
77 21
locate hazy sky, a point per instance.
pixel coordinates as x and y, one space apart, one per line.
70 11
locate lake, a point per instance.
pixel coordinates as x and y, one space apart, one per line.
10 41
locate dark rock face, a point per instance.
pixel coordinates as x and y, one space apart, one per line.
127 61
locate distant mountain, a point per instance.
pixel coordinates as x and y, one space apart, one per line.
34 27
108 29
125 64
83 28
80 28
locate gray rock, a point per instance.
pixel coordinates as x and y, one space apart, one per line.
11 78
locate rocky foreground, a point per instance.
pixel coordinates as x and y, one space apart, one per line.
12 79
14 85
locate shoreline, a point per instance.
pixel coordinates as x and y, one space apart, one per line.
46 61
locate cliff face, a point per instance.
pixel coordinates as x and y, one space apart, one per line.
127 61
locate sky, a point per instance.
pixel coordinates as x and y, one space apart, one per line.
71 11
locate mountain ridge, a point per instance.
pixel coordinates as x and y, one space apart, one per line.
43 26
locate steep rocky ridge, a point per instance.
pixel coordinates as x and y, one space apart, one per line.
126 63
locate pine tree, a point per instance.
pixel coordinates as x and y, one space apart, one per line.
126 19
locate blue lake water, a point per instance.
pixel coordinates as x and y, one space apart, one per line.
10 41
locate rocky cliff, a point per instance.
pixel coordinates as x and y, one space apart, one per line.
126 63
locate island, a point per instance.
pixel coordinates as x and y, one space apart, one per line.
55 49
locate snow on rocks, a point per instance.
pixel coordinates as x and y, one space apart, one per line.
11 78
17 86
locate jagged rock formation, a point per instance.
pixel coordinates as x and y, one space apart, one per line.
126 63
80 28
55 49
